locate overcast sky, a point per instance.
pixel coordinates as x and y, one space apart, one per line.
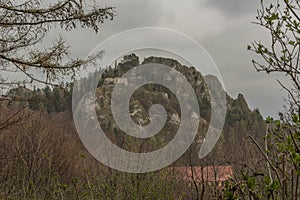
222 27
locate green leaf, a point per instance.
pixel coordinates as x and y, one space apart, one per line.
269 119
295 119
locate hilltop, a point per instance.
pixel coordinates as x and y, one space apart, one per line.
240 121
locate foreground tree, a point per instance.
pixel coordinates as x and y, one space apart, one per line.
280 179
24 25
282 20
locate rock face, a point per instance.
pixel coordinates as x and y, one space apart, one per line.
240 120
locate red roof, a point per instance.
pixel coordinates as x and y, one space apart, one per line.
207 173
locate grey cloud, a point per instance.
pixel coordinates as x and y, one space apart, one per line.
134 14
228 49
129 14
234 8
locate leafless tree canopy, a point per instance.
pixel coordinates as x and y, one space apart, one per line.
23 26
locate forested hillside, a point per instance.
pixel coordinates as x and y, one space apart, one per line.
51 142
